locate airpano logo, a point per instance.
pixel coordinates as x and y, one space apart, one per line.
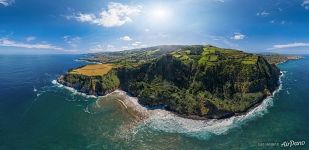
285 144
292 143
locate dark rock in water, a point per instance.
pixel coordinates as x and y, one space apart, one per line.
202 81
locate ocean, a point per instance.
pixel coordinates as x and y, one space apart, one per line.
36 113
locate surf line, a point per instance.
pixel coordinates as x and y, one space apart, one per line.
122 103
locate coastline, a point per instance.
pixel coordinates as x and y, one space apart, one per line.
87 61
132 102
291 58
138 105
167 121
127 102
226 115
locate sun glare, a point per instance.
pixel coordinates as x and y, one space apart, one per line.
159 13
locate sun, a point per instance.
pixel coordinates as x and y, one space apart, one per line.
159 13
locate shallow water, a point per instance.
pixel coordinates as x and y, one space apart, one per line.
37 114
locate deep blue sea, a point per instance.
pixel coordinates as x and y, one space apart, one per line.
36 114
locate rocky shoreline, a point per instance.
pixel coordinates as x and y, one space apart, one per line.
233 93
144 112
141 112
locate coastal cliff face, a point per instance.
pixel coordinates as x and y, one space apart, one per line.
202 81
92 85
194 81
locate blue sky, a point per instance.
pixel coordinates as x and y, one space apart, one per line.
87 26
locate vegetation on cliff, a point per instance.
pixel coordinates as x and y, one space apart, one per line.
92 79
203 81
93 70
274 58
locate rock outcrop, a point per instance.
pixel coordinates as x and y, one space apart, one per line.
194 81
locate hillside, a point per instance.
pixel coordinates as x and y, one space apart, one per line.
192 81
274 58
92 79
133 57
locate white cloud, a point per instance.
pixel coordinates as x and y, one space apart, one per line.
289 45
305 4
126 38
263 13
30 38
101 48
224 40
110 46
85 17
125 47
116 14
97 48
72 41
238 36
6 2
136 44
280 22
5 42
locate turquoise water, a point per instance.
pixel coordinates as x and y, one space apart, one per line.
36 114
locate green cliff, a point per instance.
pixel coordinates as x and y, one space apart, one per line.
92 85
192 81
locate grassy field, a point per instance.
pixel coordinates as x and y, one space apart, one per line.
210 56
250 60
93 70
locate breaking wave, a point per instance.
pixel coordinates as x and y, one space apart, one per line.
74 91
162 120
89 62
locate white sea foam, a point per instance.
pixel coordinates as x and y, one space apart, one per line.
90 62
34 89
54 82
86 110
166 121
162 120
132 100
74 91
